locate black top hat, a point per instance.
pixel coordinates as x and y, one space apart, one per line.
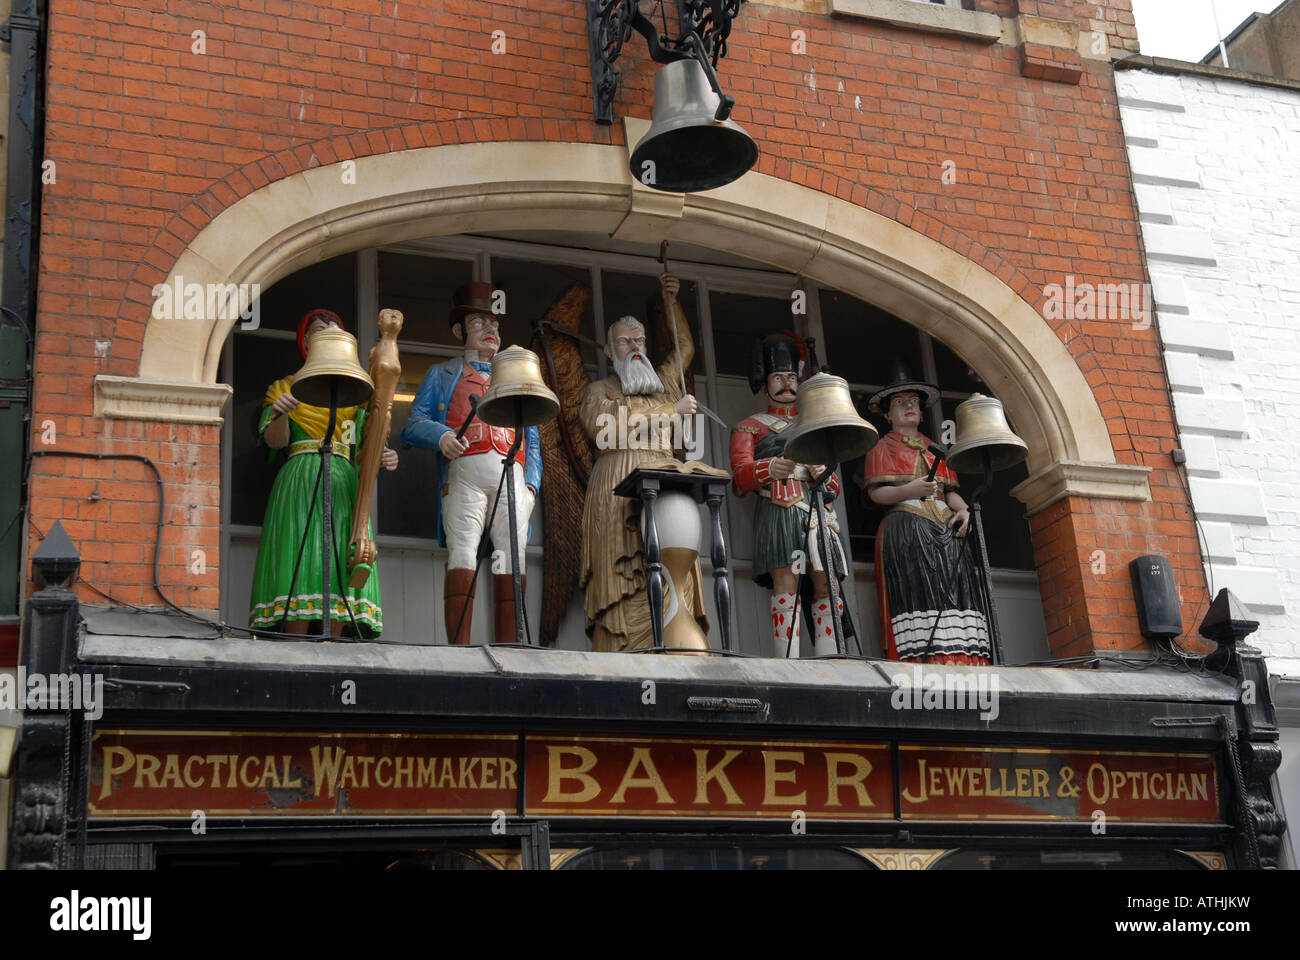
902 382
775 354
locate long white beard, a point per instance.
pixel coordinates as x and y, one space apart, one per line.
637 376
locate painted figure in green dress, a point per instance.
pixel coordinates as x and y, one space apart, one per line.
287 585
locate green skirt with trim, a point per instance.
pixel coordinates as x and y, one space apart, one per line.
282 535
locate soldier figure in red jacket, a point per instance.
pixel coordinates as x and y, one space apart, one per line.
785 520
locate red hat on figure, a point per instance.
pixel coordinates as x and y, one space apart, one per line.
320 313
472 298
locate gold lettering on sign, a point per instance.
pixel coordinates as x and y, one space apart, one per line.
172 771
348 778
146 768
467 771
861 770
920 779
508 768
325 769
705 774
382 779
1040 782
557 774
191 780
270 775
117 760
404 769
366 764
446 777
772 776
651 780
424 775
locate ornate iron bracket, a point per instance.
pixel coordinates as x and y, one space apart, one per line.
705 27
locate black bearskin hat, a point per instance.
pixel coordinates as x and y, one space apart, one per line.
775 354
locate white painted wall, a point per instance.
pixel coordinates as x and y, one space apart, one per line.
1213 166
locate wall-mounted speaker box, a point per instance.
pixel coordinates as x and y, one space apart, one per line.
1156 596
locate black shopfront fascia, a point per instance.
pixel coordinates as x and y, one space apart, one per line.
496 696
202 682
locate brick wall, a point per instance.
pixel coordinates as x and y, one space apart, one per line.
1221 217
151 140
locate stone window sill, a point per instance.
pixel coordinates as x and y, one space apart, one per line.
930 17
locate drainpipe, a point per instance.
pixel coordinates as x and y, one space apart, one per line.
17 300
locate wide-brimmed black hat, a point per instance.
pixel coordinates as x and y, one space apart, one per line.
902 382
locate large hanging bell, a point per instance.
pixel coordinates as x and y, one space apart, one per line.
828 429
690 150
982 428
517 390
332 359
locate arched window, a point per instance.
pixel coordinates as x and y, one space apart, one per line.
730 302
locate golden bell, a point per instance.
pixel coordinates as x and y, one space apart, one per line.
517 390
332 360
828 429
982 428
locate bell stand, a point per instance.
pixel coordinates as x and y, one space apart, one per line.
516 558
986 573
831 574
327 538
828 562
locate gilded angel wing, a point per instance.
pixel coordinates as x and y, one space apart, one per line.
566 453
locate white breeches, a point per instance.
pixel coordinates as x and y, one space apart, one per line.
471 489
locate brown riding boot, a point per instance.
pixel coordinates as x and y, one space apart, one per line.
503 589
457 596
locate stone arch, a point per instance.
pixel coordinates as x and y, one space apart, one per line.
895 257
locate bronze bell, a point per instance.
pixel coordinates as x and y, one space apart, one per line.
690 148
828 429
332 359
517 388
982 427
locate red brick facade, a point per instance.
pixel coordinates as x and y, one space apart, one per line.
151 141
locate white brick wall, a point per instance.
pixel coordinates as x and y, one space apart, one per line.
1219 203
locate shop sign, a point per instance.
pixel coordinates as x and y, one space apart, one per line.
1022 783
656 777
151 773
251 774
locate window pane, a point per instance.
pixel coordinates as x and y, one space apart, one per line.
407 495
259 362
530 290
955 374
638 294
862 341
331 284
739 321
421 287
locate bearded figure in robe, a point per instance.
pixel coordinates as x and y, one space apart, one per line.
631 417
